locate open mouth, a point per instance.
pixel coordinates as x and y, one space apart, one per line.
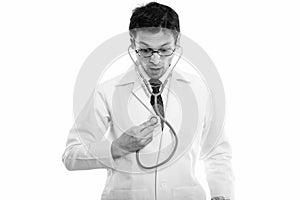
155 68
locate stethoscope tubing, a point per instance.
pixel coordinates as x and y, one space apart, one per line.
174 148
159 114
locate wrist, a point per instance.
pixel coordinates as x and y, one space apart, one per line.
116 151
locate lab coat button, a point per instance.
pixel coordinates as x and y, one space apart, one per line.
163 185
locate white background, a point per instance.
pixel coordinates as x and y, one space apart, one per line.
254 44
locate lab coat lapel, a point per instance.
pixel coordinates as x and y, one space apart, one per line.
128 110
182 113
124 102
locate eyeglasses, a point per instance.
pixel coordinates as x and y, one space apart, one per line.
146 53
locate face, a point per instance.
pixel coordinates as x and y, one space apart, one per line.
156 65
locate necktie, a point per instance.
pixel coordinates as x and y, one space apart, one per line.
155 84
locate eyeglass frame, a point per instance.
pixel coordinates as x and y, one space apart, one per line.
154 51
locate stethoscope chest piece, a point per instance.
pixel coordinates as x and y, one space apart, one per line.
154 119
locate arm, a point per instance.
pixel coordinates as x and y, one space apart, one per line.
87 146
218 170
219 198
217 162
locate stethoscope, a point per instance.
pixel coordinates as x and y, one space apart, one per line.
154 118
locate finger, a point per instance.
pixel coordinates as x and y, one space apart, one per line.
147 132
144 125
149 139
145 142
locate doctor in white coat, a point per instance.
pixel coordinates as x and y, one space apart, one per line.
114 124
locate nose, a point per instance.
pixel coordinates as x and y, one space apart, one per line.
155 58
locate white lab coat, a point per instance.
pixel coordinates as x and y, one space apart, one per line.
112 110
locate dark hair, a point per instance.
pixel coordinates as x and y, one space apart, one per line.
154 14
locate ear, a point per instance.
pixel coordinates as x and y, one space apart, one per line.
178 40
132 42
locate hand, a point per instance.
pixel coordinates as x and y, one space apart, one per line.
134 139
219 198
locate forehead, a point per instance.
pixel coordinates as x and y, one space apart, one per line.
158 39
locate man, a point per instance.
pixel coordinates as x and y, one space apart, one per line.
105 135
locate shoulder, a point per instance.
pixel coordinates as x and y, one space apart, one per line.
196 81
109 85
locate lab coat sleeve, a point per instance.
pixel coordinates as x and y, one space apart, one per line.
217 162
87 145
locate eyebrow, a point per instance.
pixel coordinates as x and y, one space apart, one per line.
144 43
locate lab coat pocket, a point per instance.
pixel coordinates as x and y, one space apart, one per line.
189 193
129 194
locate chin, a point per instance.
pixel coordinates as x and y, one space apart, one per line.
155 76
